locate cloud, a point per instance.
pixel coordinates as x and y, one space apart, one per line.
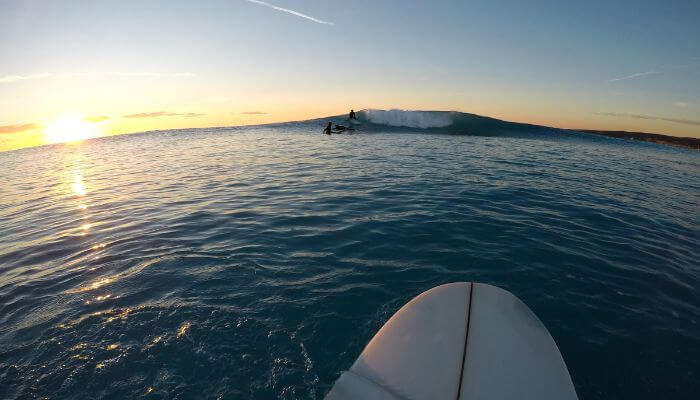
652 117
137 74
153 74
96 119
681 104
214 100
17 78
635 75
163 114
6 129
8 102
298 14
660 70
253 112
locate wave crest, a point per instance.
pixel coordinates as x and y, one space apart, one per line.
407 118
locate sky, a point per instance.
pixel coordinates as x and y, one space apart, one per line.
112 67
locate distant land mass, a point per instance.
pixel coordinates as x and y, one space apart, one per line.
689 142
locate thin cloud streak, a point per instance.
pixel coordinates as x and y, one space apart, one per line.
153 74
213 100
17 78
298 14
691 122
7 129
138 74
659 70
635 75
253 112
163 114
97 119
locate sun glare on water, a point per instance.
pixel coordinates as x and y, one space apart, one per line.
71 128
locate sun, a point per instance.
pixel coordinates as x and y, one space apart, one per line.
71 128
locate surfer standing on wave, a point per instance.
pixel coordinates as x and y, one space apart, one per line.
352 114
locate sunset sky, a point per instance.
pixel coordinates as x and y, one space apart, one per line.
106 67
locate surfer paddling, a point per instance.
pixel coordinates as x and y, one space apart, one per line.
340 128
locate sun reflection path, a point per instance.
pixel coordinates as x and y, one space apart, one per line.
80 192
78 186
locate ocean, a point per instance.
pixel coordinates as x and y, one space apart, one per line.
257 262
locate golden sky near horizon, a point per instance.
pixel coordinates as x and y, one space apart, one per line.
106 104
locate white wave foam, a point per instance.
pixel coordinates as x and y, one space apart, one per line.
411 119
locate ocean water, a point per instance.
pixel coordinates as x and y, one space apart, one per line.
257 262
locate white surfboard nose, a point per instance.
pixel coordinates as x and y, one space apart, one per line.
459 341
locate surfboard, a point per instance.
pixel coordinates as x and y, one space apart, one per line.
353 121
459 341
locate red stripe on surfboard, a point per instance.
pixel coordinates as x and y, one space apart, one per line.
466 341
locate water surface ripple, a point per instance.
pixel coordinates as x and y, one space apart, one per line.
257 262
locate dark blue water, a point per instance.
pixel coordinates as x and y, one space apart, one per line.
258 262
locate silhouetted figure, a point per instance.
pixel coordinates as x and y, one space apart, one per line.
327 131
352 114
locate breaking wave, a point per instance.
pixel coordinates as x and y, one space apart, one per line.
409 119
451 122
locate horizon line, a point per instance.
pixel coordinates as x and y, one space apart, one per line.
343 114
